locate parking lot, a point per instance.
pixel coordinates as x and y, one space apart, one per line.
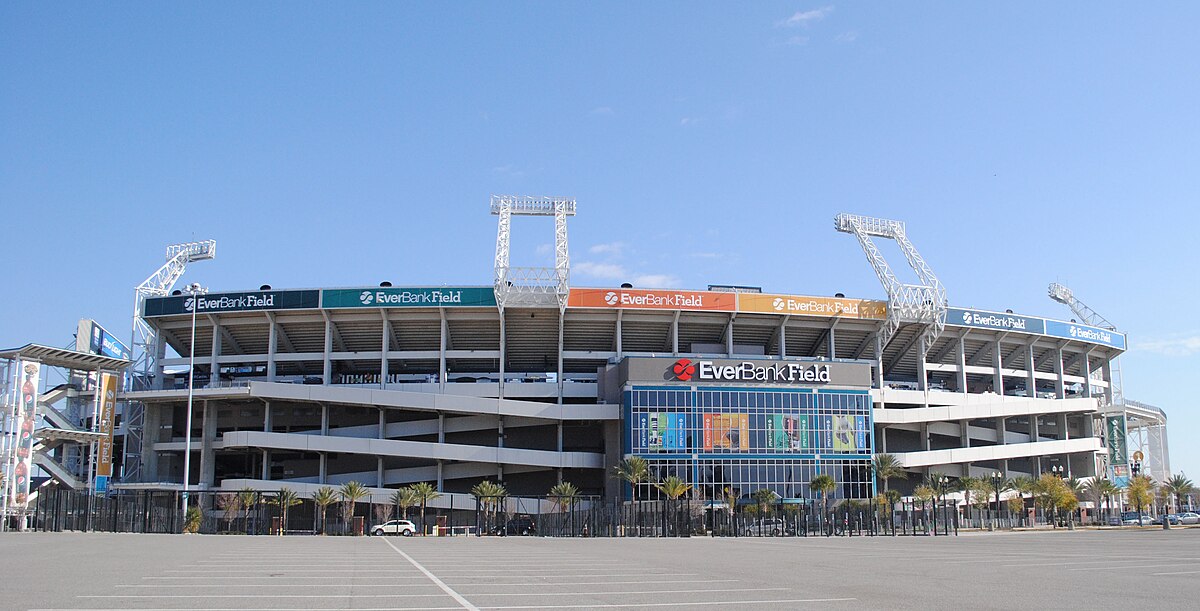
1081 569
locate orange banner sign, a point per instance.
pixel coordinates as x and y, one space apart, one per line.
812 306
652 300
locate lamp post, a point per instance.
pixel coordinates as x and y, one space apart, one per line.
1058 471
195 290
997 481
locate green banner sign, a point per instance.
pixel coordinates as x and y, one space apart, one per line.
446 297
1117 452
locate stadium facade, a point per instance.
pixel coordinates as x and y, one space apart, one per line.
532 381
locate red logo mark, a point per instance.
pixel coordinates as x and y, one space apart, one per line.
683 370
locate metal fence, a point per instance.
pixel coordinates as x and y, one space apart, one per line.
260 513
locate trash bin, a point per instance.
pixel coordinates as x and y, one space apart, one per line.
442 531
357 526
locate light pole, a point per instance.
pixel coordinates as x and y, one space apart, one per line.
195 290
1058 471
997 481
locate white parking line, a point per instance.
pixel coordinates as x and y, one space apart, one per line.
226 577
278 585
1178 573
272 596
1125 566
592 583
682 604
628 592
445 588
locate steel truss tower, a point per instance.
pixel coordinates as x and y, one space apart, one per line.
532 286
1089 316
923 304
146 346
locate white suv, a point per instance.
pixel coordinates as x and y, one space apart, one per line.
395 527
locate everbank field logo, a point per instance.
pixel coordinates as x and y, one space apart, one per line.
229 302
748 371
611 298
683 370
367 297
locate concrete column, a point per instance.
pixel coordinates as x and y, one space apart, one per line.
833 340
324 419
1087 373
327 363
560 437
1030 369
503 351
729 337
378 471
214 367
266 465
160 352
674 333
272 346
441 428
964 433
323 474
922 367
382 424
559 375
782 336
443 338
386 345
925 445
441 477
208 459
266 416
1065 430
1001 430
1060 386
883 440
500 431
1106 372
998 376
1033 428
620 349
962 364
151 430
879 367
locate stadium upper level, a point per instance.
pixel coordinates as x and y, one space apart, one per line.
440 335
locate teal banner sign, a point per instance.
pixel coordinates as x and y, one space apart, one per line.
1117 451
444 297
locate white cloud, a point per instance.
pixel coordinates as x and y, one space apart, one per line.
603 111
612 248
545 249
796 41
656 281
849 36
705 255
803 18
606 271
1175 346
508 170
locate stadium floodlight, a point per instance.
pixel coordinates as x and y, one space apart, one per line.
532 286
923 303
1089 316
144 342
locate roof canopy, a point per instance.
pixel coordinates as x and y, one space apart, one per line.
62 357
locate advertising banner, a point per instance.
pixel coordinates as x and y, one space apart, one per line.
812 306
826 433
25 414
783 433
860 432
439 297
652 300
802 433
106 408
667 431
1119 474
643 430
1002 321
727 431
234 302
844 437
1084 333
1114 427
90 337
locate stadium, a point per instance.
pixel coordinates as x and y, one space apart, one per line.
531 381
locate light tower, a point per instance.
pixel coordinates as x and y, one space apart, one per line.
923 304
532 286
146 346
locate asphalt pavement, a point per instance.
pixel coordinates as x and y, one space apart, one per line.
1034 570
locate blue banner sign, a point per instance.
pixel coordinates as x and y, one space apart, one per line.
1084 333
1000 321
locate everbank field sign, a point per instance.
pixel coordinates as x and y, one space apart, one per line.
652 300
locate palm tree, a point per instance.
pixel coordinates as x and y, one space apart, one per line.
730 496
487 493
823 485
351 492
248 498
764 498
564 495
925 494
967 485
403 498
887 467
634 470
1178 485
424 492
1099 489
324 497
285 499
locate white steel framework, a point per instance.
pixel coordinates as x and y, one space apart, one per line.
144 344
532 286
924 303
1089 316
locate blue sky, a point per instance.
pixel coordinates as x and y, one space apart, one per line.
342 145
